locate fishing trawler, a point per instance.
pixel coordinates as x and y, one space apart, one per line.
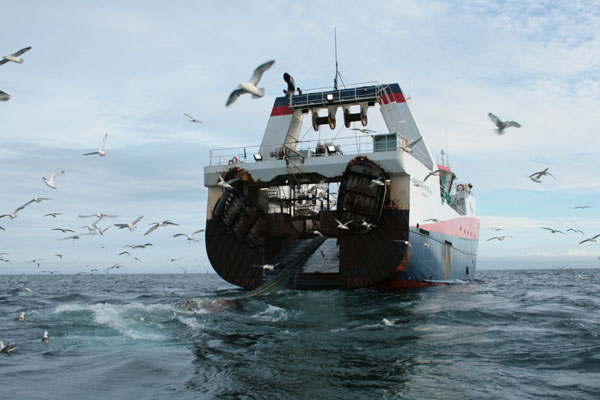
359 210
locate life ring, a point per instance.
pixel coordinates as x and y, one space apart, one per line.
460 187
234 160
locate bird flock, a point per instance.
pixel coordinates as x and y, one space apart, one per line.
537 178
100 225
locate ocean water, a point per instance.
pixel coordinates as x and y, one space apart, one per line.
510 334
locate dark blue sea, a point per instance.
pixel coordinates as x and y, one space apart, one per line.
509 335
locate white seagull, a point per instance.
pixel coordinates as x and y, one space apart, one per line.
45 337
537 175
500 238
553 230
341 225
13 215
21 317
130 225
100 151
192 119
8 348
189 237
363 130
582 207
63 230
101 231
500 125
368 225
37 200
4 96
14 57
224 184
158 224
409 147
591 239
250 86
575 231
98 215
50 182
379 182
52 214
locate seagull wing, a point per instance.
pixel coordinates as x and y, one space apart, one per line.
137 220
22 51
233 96
151 229
414 142
179 234
89 154
121 226
54 175
104 142
259 71
189 116
198 231
512 123
495 119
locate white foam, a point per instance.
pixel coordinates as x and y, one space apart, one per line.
272 313
124 318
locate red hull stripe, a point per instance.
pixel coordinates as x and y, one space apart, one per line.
281 110
464 227
393 98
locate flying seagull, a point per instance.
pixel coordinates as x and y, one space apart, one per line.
379 182
553 230
364 130
50 182
341 225
250 86
582 207
537 175
63 230
501 126
409 147
592 239
224 184
13 215
158 224
52 214
497 229
575 231
192 119
368 225
14 57
189 237
97 215
4 96
100 151
130 225
500 238
37 200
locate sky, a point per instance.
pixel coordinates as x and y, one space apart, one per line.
131 69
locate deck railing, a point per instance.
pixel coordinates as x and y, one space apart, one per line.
357 144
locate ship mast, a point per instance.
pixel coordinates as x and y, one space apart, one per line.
335 85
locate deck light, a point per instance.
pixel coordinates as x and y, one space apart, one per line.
258 157
329 96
